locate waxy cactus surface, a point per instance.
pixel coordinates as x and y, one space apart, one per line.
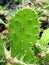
23 32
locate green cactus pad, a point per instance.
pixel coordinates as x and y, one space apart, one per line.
23 32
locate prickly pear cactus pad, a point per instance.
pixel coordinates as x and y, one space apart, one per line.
23 32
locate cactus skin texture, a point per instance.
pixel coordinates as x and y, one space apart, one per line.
23 32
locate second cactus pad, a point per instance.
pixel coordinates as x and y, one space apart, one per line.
23 32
